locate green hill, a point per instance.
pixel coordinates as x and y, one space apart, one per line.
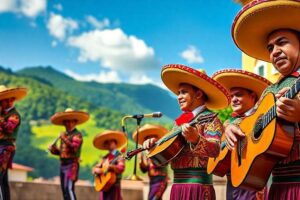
36 132
128 98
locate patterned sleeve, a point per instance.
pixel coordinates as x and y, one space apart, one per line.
209 139
11 123
75 143
119 167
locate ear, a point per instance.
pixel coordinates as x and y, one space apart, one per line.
199 94
254 96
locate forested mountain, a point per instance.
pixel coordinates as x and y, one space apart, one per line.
127 98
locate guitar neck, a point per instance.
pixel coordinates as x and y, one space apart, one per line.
198 120
271 114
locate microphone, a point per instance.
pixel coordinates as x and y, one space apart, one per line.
150 115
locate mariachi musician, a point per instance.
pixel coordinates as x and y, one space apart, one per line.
245 89
158 175
69 149
111 140
197 93
276 40
10 121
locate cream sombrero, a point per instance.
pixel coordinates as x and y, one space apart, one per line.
69 114
174 74
17 92
258 19
99 140
231 78
149 130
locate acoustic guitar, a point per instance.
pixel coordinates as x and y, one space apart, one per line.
167 147
267 140
103 182
220 165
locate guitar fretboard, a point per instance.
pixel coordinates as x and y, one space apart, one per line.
271 114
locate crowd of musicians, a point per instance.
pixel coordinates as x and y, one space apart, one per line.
267 30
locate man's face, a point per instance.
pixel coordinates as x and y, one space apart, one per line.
7 103
70 124
188 97
283 47
242 100
111 144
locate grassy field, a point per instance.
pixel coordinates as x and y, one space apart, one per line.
44 135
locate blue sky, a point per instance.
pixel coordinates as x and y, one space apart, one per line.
117 40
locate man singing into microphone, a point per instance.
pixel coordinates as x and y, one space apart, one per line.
196 93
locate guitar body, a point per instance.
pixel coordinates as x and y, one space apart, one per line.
162 154
261 150
103 182
221 164
172 143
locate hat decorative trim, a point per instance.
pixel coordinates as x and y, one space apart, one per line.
256 20
187 71
231 78
242 72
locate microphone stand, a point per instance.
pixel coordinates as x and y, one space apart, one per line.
134 176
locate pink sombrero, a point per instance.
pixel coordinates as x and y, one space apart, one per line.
174 74
257 19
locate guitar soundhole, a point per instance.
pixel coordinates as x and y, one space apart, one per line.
258 129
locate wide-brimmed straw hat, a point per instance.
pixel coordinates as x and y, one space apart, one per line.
149 130
254 23
175 74
100 139
70 114
16 92
232 78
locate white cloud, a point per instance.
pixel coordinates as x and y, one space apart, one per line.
29 8
192 55
8 5
32 8
58 7
102 77
96 23
114 50
59 26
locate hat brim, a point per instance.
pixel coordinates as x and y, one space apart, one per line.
233 78
174 75
59 118
99 140
17 93
254 23
149 130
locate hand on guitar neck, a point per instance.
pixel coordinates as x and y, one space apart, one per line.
288 109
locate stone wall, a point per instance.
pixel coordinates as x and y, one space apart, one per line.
131 190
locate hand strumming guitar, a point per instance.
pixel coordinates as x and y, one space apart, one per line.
288 109
231 133
190 133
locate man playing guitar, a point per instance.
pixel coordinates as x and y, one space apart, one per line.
245 89
276 41
111 141
196 93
